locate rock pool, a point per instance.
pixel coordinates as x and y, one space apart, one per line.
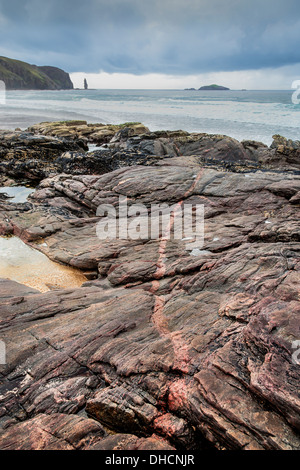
19 262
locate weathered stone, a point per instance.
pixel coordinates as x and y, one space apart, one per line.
130 442
52 432
96 133
24 155
173 345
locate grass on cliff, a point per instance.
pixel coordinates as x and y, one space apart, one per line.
12 69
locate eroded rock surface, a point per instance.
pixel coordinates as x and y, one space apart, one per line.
172 346
62 147
95 133
24 155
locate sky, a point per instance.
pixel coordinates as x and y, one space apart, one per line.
158 43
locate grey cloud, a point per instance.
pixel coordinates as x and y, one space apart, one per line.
162 36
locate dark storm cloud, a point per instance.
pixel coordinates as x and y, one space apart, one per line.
162 36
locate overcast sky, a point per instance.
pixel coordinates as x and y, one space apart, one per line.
158 43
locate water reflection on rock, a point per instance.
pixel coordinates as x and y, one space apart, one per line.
23 264
16 194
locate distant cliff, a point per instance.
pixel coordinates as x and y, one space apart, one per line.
19 75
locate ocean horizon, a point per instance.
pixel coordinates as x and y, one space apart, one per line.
244 115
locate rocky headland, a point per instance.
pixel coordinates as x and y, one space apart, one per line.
18 75
162 347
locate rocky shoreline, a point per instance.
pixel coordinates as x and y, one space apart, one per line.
162 348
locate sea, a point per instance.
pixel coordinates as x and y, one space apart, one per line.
244 115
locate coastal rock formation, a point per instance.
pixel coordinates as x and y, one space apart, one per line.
283 154
60 431
19 75
93 133
172 345
24 155
62 147
212 149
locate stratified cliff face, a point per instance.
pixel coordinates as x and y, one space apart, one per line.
61 78
19 75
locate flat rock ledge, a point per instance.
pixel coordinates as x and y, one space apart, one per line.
167 347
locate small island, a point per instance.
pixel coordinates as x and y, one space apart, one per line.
213 87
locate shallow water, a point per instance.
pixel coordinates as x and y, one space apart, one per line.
93 147
254 115
23 264
16 194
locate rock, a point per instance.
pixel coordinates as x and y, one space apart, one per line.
287 149
52 432
179 143
170 347
130 442
214 150
93 133
101 161
70 432
8 289
295 199
28 157
287 189
61 147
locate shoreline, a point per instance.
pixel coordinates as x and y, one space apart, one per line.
255 115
